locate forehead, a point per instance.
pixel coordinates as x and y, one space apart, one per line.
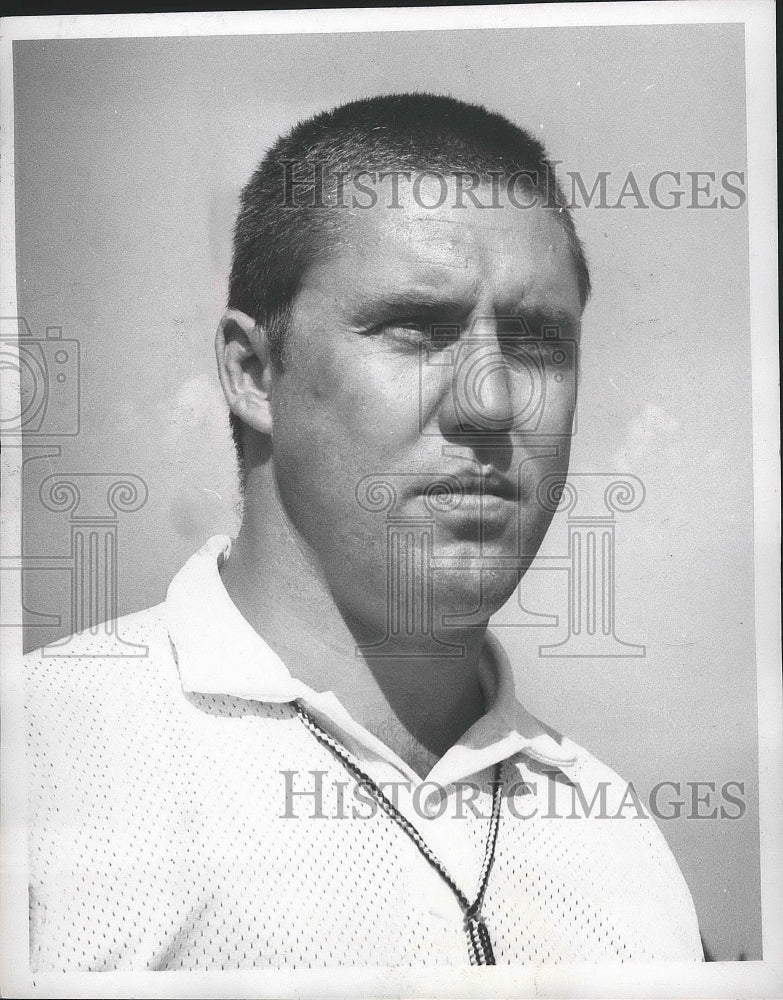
492 257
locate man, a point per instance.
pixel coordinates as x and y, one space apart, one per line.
322 760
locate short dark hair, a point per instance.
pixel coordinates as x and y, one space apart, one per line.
277 237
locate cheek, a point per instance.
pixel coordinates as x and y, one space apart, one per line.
350 405
331 427
537 473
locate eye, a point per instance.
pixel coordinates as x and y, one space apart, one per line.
417 327
403 333
417 332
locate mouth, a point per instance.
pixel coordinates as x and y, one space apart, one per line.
470 489
489 484
500 490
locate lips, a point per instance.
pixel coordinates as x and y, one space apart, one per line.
493 486
490 484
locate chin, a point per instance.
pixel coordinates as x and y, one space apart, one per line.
471 598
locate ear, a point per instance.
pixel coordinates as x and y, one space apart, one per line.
243 363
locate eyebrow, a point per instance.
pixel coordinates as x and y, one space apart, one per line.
543 320
419 303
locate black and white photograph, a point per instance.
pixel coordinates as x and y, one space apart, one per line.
390 552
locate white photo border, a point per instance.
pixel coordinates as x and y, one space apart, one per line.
718 979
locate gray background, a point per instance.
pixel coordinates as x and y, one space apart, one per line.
130 155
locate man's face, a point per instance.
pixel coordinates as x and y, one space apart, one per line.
437 346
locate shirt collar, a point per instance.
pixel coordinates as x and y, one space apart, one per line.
507 728
218 652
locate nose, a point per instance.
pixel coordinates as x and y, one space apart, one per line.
479 397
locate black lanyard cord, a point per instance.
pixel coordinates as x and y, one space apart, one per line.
479 942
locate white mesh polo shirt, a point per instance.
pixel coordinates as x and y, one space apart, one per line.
183 816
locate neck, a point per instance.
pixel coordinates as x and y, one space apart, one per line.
417 702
